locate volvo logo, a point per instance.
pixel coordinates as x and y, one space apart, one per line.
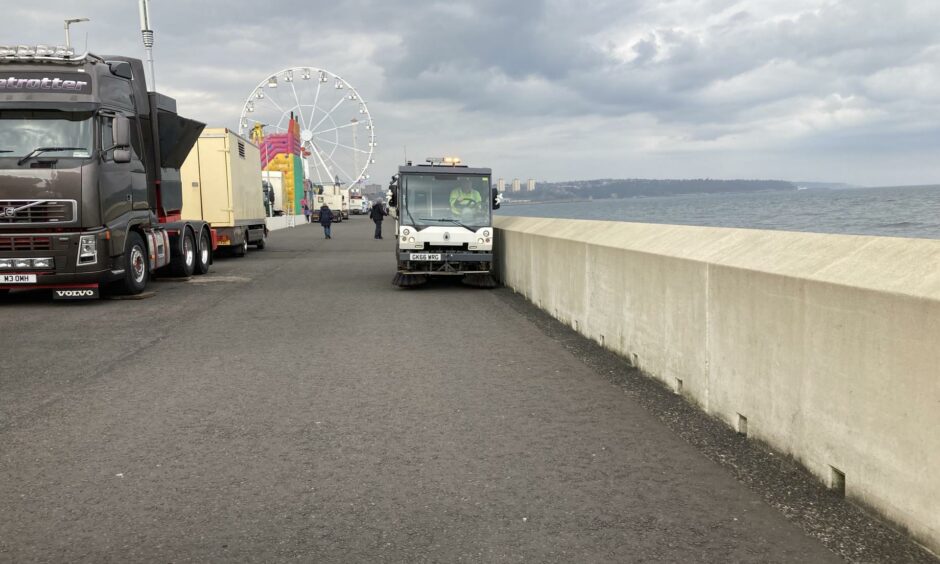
75 294
8 212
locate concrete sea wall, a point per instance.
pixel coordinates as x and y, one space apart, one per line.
827 347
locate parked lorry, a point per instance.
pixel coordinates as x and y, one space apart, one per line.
335 198
356 204
222 185
90 191
443 214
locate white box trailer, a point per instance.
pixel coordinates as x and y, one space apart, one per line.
221 180
335 203
344 192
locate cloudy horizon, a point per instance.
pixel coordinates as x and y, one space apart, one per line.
831 91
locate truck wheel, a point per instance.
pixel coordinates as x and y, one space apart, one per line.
136 267
185 263
204 253
261 243
242 249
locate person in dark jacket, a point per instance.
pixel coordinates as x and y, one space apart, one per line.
326 220
377 214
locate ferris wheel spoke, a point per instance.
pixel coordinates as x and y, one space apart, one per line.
316 152
316 98
345 146
276 105
346 174
315 167
300 110
337 127
333 109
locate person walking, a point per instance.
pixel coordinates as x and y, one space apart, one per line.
377 214
306 207
326 220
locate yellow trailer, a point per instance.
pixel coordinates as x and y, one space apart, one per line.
222 185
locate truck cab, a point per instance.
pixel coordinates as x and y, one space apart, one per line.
444 222
89 175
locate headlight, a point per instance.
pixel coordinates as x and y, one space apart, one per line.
22 263
42 263
480 241
6 263
412 240
405 232
88 249
486 233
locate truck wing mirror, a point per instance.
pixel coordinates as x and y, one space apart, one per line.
496 202
121 132
122 155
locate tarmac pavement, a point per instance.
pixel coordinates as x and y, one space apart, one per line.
294 406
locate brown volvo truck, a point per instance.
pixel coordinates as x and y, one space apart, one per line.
90 192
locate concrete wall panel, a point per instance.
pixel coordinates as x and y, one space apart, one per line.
828 345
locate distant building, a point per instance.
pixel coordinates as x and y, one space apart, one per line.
530 185
516 187
501 184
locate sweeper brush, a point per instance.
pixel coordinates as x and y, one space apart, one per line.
480 280
410 280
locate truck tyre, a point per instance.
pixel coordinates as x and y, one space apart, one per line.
203 253
241 250
184 263
136 265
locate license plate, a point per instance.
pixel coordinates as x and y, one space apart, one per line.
17 278
425 256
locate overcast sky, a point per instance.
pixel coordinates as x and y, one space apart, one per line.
829 90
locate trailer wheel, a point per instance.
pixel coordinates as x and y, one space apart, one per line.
204 253
185 263
242 249
136 265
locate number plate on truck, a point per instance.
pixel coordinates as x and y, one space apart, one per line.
17 278
425 256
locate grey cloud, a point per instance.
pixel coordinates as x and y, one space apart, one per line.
463 72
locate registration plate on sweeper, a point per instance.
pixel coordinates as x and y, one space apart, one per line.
425 256
17 278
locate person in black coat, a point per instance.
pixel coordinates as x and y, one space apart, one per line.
326 220
378 213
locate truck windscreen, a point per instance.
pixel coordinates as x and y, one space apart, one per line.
23 131
430 199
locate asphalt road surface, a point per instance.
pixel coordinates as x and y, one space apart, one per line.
294 406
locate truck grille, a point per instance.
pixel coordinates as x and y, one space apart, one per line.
25 243
37 211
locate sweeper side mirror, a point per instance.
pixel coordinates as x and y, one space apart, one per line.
496 203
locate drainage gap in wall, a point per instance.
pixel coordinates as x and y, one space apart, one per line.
837 481
742 425
636 361
678 385
576 325
602 340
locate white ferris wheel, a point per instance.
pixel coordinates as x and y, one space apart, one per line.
336 129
